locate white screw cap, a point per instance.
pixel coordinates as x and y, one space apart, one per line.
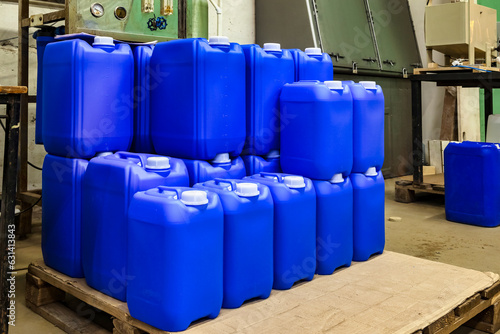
369 84
218 40
158 163
222 158
334 85
194 197
104 40
103 154
247 189
272 47
274 154
372 171
313 52
337 178
294 182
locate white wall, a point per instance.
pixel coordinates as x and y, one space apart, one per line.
238 20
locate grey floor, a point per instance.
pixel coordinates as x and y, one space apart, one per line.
422 232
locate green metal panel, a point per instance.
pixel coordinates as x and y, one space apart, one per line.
134 27
395 35
345 31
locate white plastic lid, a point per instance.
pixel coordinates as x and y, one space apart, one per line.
194 197
158 163
369 84
313 52
294 182
272 47
334 85
104 40
103 154
218 40
337 178
372 171
222 158
247 189
274 154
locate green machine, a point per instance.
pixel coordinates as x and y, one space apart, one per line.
139 20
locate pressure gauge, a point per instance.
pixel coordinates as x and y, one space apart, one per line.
97 9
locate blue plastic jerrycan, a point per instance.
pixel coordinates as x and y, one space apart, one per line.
255 164
108 187
368 135
312 64
267 70
248 239
220 167
369 214
294 227
198 98
61 213
472 178
87 97
175 257
142 142
317 140
334 215
42 40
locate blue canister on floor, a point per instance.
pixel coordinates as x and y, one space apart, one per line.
220 167
317 141
108 187
255 164
368 131
42 39
175 257
369 214
248 239
294 227
334 211
312 64
87 97
472 179
142 137
61 213
267 70
198 102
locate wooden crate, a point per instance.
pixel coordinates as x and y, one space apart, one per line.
390 293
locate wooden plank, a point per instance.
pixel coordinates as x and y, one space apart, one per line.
65 319
468 305
40 293
491 291
121 327
30 198
477 69
444 143
435 157
468 112
488 320
437 179
449 123
442 323
13 90
429 170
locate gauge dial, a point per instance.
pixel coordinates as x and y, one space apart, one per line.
97 9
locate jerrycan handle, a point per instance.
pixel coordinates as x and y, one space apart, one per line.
128 155
279 177
164 189
219 182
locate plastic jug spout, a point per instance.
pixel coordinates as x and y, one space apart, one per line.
372 171
222 158
313 52
337 178
194 197
247 189
219 41
274 154
272 47
104 42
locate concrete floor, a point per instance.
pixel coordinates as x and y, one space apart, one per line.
422 232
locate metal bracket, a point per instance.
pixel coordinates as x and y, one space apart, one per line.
354 67
389 62
405 73
36 20
337 56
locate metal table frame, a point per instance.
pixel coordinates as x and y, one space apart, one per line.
487 80
11 96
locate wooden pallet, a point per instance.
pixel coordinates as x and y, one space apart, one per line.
476 69
390 293
405 189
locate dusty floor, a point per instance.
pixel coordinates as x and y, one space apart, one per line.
422 232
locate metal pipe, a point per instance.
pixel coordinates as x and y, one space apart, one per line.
218 10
